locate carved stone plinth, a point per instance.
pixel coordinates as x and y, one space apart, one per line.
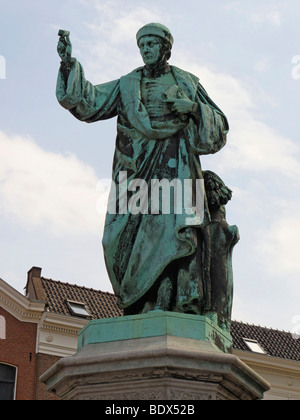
153 367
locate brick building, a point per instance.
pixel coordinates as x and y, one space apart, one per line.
41 327
19 357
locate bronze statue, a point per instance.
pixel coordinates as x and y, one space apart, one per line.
222 239
156 260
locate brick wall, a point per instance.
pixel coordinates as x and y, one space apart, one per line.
44 363
18 349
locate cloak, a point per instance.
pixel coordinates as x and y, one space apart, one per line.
139 247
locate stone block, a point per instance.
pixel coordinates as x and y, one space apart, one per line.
129 359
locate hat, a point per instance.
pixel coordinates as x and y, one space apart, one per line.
155 29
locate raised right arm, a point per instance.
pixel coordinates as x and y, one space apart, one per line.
85 101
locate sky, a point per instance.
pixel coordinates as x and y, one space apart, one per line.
55 170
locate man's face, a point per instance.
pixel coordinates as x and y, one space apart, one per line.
150 49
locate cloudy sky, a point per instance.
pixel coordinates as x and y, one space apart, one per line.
54 170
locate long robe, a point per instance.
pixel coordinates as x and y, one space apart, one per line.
139 247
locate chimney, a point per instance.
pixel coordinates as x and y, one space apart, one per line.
34 283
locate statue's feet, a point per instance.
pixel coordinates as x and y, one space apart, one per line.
164 295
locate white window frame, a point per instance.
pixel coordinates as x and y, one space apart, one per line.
249 341
73 311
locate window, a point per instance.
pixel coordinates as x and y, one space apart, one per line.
254 346
7 382
78 309
2 328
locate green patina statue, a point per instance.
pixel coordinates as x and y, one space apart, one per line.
221 239
159 259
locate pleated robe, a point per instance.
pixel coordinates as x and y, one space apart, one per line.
138 248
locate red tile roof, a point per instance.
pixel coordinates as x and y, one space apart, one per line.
275 343
104 305
99 304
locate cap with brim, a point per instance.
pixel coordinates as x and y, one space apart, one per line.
155 29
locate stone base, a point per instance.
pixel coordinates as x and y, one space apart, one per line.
159 362
155 324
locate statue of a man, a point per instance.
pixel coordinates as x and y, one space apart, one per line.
155 261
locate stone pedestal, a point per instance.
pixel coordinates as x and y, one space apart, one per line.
157 356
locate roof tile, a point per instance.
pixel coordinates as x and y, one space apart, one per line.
99 304
275 343
104 305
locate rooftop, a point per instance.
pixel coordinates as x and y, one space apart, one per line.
72 300
273 342
98 304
